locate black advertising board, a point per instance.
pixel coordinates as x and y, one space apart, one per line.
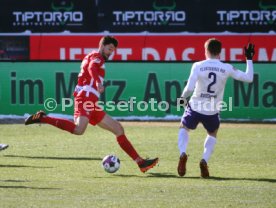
144 15
238 16
187 16
48 16
132 16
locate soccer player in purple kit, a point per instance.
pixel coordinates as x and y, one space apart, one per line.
207 81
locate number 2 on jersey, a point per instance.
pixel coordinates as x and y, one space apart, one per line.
214 76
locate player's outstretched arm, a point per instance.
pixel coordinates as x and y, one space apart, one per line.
247 76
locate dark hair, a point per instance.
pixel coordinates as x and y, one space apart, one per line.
109 40
213 46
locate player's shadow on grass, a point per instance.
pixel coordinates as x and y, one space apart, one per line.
162 175
28 187
270 180
169 175
156 175
15 181
21 166
23 187
54 158
127 176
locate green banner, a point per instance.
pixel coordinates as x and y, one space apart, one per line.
132 89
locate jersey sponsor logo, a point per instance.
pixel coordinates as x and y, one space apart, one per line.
97 60
214 69
207 95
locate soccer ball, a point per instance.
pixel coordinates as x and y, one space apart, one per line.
111 163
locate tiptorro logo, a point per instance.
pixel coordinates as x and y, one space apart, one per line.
265 15
60 15
161 14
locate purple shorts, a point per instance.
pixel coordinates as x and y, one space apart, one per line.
191 119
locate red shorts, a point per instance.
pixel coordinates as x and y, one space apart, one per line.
86 106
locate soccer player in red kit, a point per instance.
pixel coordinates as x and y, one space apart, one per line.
87 93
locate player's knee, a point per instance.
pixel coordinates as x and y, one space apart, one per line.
184 127
119 129
212 133
79 131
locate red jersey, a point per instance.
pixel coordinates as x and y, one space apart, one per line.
92 73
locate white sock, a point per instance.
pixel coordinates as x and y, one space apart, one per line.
209 146
183 139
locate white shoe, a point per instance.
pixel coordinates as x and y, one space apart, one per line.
3 146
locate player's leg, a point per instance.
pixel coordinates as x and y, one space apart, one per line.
209 144
81 123
41 117
211 124
183 139
116 128
189 121
111 125
81 118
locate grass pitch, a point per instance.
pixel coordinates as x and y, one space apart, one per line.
47 167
